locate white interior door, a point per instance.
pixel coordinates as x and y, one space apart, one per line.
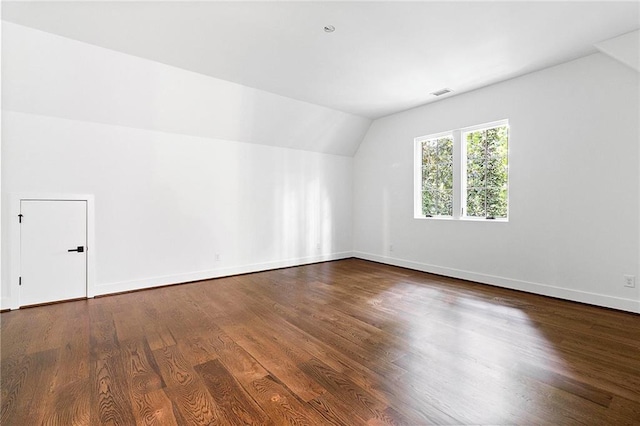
53 255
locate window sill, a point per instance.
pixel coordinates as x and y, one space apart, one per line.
463 219
482 219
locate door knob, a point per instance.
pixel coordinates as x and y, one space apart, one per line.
80 249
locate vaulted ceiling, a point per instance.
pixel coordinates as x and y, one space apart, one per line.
383 57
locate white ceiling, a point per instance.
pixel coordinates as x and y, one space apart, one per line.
384 57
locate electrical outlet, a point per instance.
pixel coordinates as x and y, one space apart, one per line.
318 246
390 247
217 257
630 281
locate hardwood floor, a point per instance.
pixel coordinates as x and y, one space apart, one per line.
348 342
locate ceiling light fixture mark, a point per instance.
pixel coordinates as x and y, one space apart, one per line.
329 28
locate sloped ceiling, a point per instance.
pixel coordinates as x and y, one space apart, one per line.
624 48
46 74
383 57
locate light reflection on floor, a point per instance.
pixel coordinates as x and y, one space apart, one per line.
487 382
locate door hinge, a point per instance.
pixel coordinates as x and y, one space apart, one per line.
19 280
20 218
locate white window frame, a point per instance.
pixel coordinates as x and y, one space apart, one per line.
459 172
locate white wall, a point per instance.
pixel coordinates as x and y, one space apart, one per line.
152 144
574 176
1 230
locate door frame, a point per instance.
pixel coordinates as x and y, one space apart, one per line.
14 239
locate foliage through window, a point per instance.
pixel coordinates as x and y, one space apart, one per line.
487 172
437 177
464 173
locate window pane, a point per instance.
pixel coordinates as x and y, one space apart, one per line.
428 203
437 177
445 149
475 173
445 203
475 145
475 202
429 175
497 202
487 172
429 150
496 173
437 203
497 141
445 176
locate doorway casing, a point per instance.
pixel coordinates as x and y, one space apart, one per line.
13 301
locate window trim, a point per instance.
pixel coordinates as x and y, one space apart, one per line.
459 163
485 126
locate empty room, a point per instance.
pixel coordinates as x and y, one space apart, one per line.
320 212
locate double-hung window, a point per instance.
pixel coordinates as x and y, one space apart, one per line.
464 173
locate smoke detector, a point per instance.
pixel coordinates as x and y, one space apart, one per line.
329 28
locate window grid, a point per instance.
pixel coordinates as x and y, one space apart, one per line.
477 174
493 203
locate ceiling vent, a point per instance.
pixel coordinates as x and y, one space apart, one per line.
441 92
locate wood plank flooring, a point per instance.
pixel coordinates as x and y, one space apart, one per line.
349 342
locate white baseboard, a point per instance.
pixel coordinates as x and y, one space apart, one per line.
6 303
121 286
628 305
